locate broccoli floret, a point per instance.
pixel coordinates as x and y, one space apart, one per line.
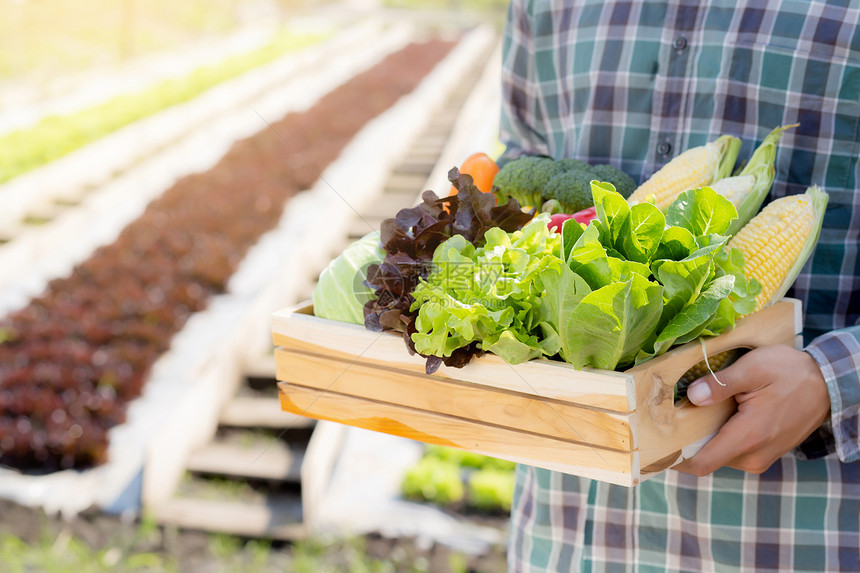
524 179
572 189
568 164
622 182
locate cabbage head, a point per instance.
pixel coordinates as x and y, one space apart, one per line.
340 293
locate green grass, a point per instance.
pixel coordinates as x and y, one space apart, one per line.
217 488
55 136
65 553
316 556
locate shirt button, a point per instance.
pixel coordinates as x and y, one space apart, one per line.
664 148
680 43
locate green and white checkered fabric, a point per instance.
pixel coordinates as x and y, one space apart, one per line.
633 84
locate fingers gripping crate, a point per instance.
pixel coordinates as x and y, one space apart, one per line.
619 427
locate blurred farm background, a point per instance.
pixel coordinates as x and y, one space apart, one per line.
171 174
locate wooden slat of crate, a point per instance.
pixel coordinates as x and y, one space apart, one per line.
300 330
600 463
661 431
526 412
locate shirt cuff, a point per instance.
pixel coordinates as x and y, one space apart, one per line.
838 355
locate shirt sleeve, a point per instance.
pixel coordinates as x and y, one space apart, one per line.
838 355
521 115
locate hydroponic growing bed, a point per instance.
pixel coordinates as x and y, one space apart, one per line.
74 358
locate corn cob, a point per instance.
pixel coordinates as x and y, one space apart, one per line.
747 190
776 244
717 362
735 188
694 168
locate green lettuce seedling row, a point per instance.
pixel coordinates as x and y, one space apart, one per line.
55 136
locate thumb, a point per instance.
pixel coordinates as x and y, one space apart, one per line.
710 389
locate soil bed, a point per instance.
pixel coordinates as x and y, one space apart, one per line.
96 542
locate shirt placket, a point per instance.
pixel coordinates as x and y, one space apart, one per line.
670 119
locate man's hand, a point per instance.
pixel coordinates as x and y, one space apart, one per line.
782 399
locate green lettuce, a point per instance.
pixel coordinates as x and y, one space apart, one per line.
603 327
625 288
489 295
634 283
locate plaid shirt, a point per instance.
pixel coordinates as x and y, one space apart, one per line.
632 84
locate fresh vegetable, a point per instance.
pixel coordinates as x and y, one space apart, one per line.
523 179
487 296
482 169
583 217
622 282
552 207
635 281
621 290
570 164
777 242
556 221
434 480
410 240
694 168
623 183
559 186
586 216
491 489
572 189
340 293
748 189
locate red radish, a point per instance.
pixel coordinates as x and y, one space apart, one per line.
586 215
556 221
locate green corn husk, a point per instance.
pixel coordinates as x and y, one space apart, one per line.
729 146
760 167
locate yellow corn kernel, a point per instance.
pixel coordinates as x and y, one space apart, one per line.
717 361
691 169
772 241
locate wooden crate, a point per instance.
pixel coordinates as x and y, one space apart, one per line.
619 427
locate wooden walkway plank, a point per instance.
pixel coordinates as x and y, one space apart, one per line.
260 412
279 517
260 367
274 461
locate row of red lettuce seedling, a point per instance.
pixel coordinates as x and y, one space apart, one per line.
73 359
